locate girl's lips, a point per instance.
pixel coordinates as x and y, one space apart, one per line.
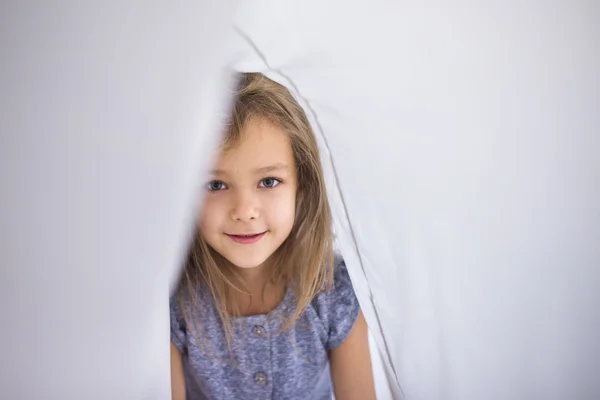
247 239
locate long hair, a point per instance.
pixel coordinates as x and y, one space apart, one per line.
304 262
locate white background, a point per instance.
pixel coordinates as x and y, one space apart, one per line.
460 142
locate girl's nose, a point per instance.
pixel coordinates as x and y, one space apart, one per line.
245 208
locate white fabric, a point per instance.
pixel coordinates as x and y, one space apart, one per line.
101 106
463 141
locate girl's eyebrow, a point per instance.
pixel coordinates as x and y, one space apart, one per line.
270 168
261 170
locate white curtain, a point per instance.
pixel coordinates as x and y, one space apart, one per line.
105 115
461 147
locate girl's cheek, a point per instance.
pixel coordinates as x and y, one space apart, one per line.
214 201
210 210
282 205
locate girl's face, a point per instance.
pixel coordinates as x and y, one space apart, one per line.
249 209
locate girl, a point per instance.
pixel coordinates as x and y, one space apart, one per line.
263 310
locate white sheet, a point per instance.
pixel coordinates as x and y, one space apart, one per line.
463 141
101 110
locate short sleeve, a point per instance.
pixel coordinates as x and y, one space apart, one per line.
178 326
343 306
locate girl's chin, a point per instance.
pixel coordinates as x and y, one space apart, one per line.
248 262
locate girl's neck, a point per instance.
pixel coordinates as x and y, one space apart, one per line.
255 277
264 295
258 276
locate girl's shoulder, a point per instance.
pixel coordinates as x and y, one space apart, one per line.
338 306
341 285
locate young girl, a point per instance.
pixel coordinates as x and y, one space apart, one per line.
263 310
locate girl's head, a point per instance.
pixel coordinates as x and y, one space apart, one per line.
250 207
266 203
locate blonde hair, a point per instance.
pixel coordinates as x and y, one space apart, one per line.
304 262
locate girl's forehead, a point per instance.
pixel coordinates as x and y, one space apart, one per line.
261 145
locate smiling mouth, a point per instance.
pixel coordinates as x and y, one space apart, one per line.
247 239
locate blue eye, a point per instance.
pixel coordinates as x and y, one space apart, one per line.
269 183
214 186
